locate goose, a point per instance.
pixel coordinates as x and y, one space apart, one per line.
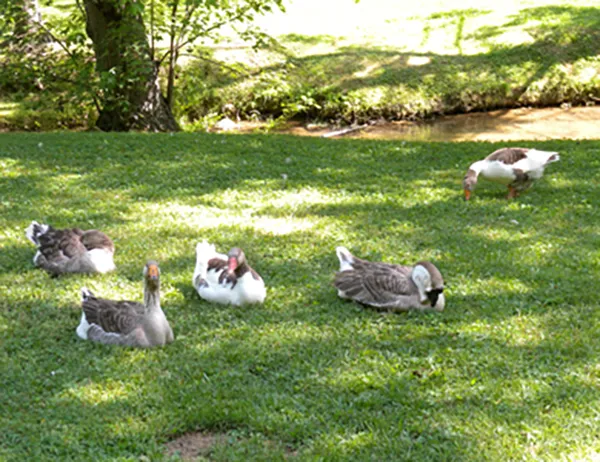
226 279
127 323
388 286
516 167
71 250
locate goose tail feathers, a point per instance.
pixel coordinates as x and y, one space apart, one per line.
345 257
35 230
543 157
204 252
84 325
86 294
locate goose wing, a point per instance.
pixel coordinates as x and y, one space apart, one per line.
508 156
94 239
220 274
113 316
61 243
217 264
376 284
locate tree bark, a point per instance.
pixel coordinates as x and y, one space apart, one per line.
131 98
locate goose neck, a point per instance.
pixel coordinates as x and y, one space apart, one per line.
478 166
151 298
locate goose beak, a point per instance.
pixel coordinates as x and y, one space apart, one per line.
467 194
433 297
232 264
153 272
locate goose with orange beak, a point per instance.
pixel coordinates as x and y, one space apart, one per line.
226 279
127 323
518 168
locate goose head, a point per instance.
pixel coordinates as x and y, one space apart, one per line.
469 182
235 259
429 282
152 275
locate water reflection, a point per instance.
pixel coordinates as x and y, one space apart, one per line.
500 125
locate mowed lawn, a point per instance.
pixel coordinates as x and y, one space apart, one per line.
509 371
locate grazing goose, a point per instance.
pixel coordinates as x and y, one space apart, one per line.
127 323
71 250
516 167
226 278
387 286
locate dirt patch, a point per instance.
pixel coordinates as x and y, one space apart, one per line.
202 444
193 445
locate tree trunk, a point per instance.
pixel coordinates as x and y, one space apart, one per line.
131 97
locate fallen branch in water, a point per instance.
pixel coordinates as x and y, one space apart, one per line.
345 131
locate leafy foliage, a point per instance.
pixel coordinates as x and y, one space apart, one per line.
54 80
70 60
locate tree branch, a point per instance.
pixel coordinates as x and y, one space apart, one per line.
206 31
81 9
151 30
186 21
172 55
71 55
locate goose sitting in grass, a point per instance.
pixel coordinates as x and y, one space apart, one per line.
388 286
516 167
71 250
226 279
127 323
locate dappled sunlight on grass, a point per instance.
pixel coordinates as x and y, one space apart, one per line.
513 354
96 393
304 197
492 286
506 233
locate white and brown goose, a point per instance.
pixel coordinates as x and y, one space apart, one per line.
226 279
124 322
71 250
388 286
517 168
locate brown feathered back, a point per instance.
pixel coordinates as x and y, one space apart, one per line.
113 316
68 250
508 156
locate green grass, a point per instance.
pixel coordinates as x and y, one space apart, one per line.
382 59
508 372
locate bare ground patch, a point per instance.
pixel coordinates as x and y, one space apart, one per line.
193 445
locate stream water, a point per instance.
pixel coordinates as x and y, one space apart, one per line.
501 125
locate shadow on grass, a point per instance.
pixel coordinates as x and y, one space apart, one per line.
307 369
297 382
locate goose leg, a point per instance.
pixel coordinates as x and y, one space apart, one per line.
512 193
